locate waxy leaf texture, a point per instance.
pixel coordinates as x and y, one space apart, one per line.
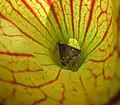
29 33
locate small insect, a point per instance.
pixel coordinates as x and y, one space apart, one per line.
68 55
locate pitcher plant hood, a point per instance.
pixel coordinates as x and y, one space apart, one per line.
59 52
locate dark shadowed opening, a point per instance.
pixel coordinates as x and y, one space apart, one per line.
68 57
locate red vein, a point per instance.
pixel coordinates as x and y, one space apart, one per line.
72 17
41 100
80 78
103 60
63 16
63 94
20 71
56 18
16 54
80 9
11 35
89 20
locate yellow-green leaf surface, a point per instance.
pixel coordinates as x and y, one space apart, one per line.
30 31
